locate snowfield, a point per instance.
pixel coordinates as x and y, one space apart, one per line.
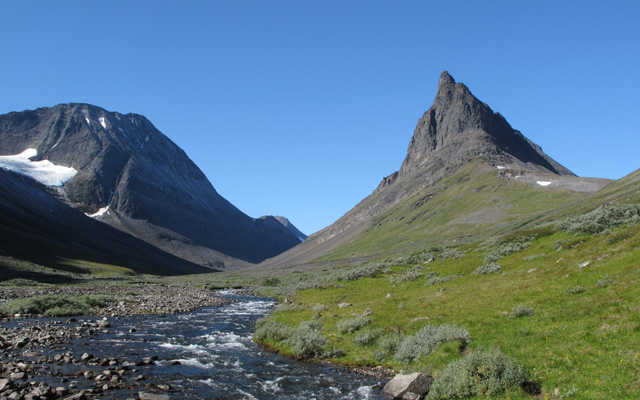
43 171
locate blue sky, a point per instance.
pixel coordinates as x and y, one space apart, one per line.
300 108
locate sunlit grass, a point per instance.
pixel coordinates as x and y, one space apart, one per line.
583 344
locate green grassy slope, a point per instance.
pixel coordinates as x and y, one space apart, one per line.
471 204
566 306
580 341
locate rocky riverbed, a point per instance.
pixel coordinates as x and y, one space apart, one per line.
38 361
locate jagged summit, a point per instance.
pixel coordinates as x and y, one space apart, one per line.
459 127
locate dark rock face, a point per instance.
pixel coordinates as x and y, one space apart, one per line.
459 127
125 163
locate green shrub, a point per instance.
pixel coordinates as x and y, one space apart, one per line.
319 308
481 373
284 307
408 275
56 305
575 289
520 311
490 268
21 282
427 339
367 336
307 341
605 281
270 282
387 346
603 219
451 253
434 280
352 324
269 329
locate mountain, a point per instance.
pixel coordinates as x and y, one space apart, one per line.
36 226
122 171
467 173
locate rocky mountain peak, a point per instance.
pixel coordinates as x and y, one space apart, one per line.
459 127
130 175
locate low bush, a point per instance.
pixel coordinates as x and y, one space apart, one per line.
490 268
451 253
481 373
284 307
605 281
307 341
319 308
269 329
408 275
575 289
520 311
434 280
603 219
387 346
427 339
21 282
56 305
352 324
270 282
367 336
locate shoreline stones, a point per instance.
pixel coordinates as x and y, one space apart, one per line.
410 386
31 339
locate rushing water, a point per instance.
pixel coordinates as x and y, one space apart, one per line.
218 358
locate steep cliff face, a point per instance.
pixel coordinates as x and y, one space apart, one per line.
459 127
129 171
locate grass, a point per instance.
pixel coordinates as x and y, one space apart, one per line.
470 205
583 345
55 305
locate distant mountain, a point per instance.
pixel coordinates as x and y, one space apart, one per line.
122 171
287 224
467 173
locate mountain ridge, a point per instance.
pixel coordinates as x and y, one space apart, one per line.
127 170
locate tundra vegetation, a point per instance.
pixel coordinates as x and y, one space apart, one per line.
560 317
553 311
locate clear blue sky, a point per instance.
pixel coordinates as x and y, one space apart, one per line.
299 108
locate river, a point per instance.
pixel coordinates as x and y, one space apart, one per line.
210 354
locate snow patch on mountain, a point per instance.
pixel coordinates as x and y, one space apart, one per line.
98 213
43 171
102 123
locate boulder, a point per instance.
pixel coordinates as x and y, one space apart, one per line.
5 384
401 384
152 396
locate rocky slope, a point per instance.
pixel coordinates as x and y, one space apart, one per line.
128 174
456 132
